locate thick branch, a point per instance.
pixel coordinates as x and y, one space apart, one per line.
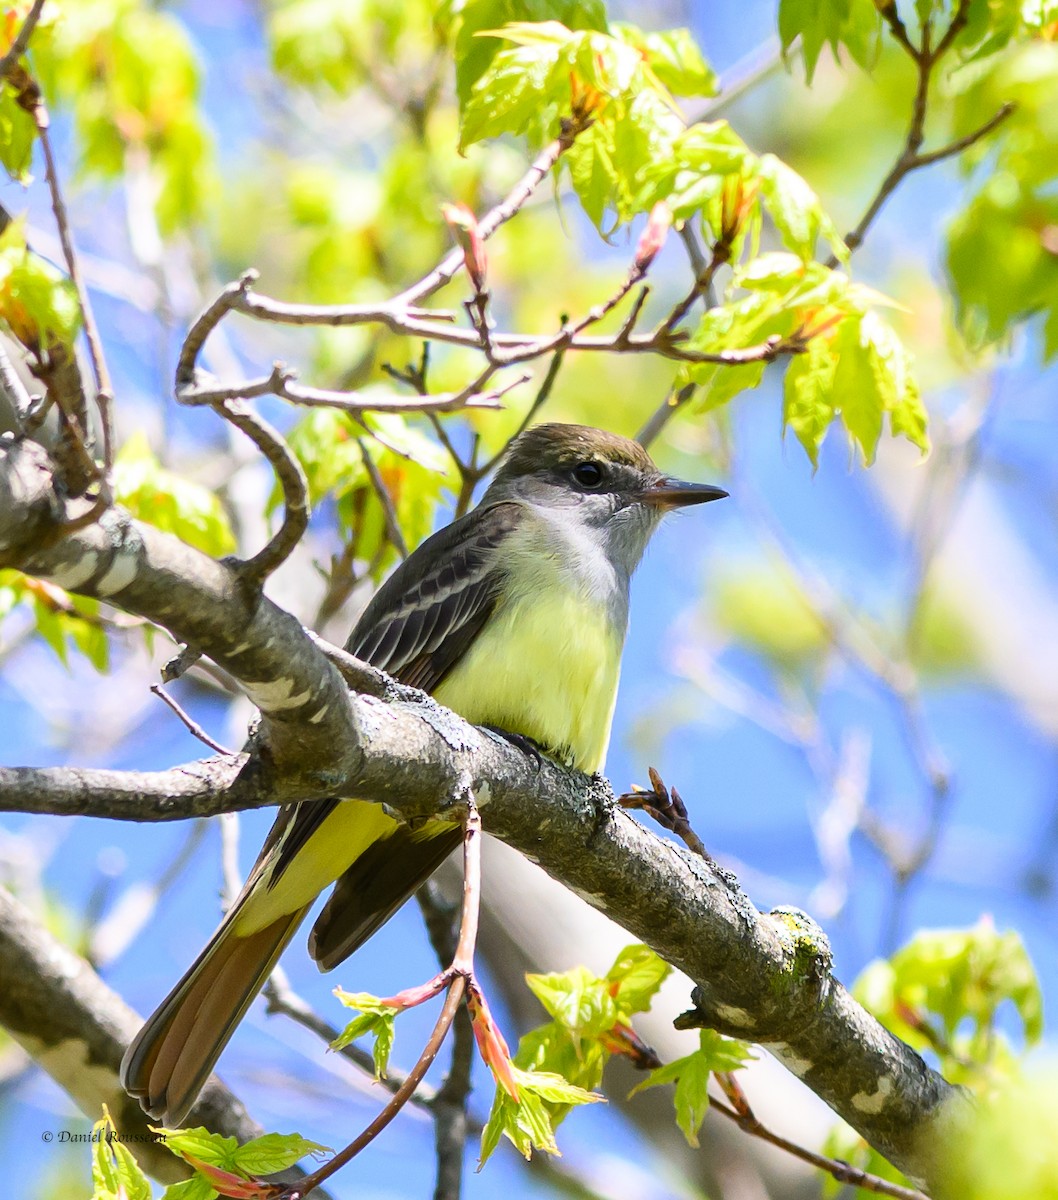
59 1010
761 977
306 719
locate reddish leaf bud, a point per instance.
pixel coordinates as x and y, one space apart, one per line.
653 236
464 227
491 1044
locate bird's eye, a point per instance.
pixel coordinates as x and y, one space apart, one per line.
588 474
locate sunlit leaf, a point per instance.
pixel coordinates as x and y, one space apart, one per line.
691 1075
169 501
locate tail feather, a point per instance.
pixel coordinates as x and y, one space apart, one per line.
173 1054
375 886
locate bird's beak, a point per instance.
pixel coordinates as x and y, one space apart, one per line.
674 493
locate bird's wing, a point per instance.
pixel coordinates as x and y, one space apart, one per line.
423 619
419 624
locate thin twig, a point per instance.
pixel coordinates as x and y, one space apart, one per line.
742 1115
664 413
389 513
487 226
449 1104
281 382
192 725
104 387
539 400
292 481
360 676
898 29
281 999
911 158
19 46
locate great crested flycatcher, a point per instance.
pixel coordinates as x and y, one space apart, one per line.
513 616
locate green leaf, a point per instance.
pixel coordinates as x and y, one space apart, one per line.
808 391
515 95
273 1152
554 70
1008 1143
674 57
943 643
195 1188
796 210
852 24
995 294
577 999
637 973
954 981
17 134
690 175
764 610
872 377
590 161
116 1175
169 501
199 1143
37 303
529 1123
474 53
376 1020
691 1077
861 386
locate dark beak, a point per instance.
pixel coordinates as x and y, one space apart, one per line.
674 493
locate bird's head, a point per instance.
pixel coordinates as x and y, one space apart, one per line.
598 479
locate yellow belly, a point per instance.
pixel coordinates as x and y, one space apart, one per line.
546 666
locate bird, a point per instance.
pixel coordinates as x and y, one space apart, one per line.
514 616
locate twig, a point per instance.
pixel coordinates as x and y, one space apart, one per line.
898 29
449 1104
180 664
743 1116
965 142
291 479
360 676
192 725
389 513
539 400
487 226
104 388
400 1097
281 999
21 43
911 158
510 348
719 254
281 382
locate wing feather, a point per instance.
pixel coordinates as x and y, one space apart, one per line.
417 627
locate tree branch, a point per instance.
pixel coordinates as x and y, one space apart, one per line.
60 1011
762 977
19 46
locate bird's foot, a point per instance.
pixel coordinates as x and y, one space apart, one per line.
526 744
